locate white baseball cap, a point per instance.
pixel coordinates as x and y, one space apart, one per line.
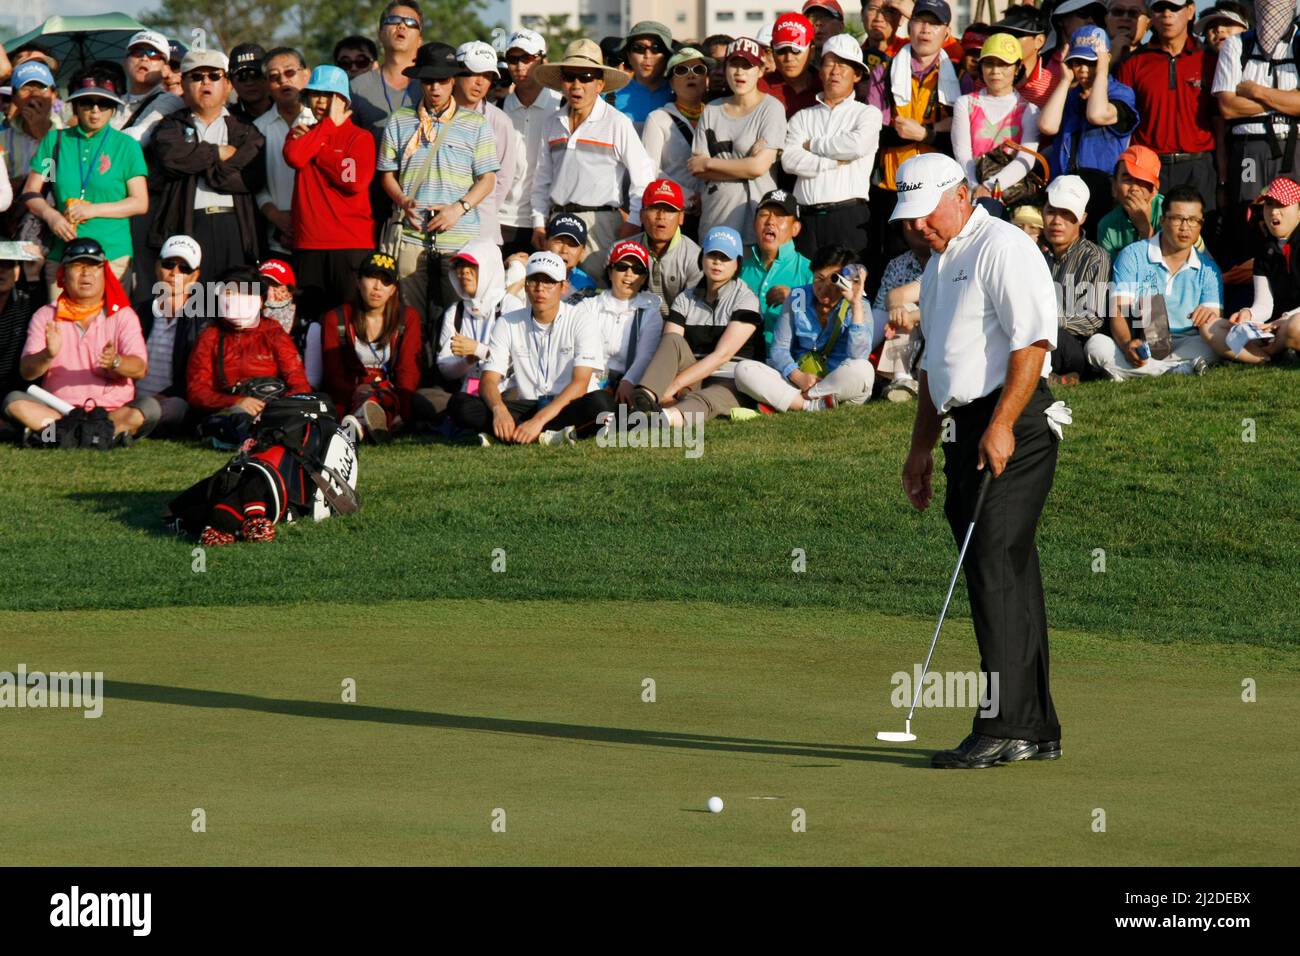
477 57
530 41
846 48
922 181
1070 193
182 247
211 59
547 264
764 36
151 38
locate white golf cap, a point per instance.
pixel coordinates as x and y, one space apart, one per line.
764 36
530 41
1069 192
846 48
477 57
922 181
151 38
547 264
211 59
182 247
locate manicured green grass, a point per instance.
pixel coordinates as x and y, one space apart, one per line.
535 708
1199 528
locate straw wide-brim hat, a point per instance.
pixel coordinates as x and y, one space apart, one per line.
581 55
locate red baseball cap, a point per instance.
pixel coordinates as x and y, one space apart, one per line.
1284 191
663 192
792 29
277 270
1142 163
628 249
466 257
830 6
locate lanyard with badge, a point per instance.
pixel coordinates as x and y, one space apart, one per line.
543 367
85 171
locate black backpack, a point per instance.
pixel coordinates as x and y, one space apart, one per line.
85 427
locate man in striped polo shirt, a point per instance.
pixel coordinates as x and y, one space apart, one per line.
438 163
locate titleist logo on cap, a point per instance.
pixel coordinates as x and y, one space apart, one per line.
912 187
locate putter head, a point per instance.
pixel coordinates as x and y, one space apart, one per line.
895 737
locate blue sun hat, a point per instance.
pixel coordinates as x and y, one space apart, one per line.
330 79
725 240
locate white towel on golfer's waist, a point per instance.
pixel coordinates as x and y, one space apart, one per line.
1057 415
900 78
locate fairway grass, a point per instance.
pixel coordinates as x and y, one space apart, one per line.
465 707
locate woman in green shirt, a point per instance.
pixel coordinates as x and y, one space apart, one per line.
98 175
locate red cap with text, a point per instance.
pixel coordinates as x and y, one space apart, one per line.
663 192
279 271
627 249
792 29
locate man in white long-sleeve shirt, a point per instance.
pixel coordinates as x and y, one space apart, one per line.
831 148
472 87
587 148
528 108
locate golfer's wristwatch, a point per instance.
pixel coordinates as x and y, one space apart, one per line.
464 205
117 360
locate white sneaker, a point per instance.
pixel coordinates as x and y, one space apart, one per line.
901 390
484 439
564 436
352 430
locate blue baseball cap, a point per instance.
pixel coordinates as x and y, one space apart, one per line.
936 8
330 79
33 71
566 224
1085 42
725 240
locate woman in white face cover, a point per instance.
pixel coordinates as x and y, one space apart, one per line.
630 320
479 279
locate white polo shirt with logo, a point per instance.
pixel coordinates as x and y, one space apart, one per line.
988 294
544 356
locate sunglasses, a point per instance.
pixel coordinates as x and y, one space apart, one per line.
644 48
349 63
144 53
625 266
247 75
288 74
580 76
173 265
1125 13
393 20
210 76
1166 7
514 59
94 103
699 69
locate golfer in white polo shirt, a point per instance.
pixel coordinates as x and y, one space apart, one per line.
988 317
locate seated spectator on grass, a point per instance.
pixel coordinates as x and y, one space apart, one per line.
820 352
709 329
551 354
335 163
279 294
772 265
85 348
171 318
1169 286
478 278
1080 272
630 320
1091 117
1276 305
16 308
239 359
1138 203
98 176
674 256
370 352
899 301
1029 219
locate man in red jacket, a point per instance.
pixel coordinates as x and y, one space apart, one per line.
233 354
335 162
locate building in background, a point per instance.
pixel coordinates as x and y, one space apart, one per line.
19 16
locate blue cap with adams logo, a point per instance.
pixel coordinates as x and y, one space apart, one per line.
725 240
567 224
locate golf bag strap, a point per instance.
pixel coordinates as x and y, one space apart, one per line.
346 502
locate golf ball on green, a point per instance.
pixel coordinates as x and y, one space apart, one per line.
715 804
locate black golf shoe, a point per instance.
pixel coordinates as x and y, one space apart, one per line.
979 751
1048 750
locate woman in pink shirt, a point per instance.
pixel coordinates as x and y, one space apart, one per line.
87 347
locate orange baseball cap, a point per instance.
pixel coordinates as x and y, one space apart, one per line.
1142 163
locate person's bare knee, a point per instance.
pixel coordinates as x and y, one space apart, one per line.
126 419
33 415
